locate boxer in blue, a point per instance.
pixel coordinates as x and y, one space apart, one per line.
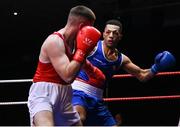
88 95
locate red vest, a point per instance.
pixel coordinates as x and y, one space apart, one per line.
45 72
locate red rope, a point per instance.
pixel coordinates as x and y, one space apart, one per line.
159 74
142 98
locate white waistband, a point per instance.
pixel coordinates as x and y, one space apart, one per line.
88 89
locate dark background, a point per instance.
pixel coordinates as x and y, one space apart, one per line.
150 26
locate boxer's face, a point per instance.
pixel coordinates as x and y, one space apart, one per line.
112 35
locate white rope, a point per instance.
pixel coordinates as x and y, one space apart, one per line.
16 81
13 103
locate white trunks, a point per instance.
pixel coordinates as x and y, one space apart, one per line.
55 98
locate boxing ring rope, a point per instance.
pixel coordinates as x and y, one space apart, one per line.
105 99
115 76
16 81
13 103
159 74
113 99
143 98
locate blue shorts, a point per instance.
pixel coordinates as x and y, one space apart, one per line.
97 112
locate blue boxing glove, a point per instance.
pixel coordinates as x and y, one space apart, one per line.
163 61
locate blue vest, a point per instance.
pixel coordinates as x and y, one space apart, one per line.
98 59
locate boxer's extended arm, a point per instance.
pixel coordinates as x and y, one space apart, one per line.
139 73
163 61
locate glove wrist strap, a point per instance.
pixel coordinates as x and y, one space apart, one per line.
79 56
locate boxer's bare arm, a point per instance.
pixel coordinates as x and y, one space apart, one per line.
141 74
54 50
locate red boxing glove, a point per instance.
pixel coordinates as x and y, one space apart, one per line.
86 40
95 75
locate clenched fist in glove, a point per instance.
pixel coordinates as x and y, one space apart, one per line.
91 75
163 61
87 39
